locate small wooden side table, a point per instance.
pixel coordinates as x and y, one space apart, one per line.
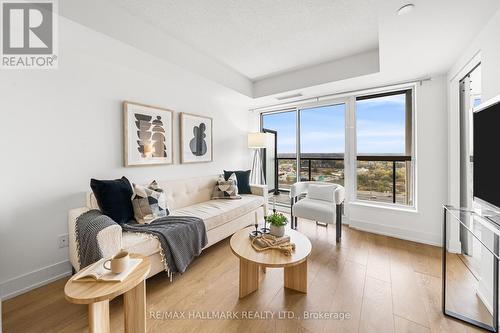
251 261
98 294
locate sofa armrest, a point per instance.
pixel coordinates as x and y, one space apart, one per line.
298 189
259 190
73 251
109 239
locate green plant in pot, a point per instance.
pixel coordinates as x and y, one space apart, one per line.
277 222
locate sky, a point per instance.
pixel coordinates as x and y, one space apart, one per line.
380 126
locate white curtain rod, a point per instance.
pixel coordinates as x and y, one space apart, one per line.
348 92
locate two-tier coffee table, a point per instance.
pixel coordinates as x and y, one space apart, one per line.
98 294
251 261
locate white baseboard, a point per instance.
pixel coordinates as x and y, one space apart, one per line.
387 230
454 246
481 291
26 282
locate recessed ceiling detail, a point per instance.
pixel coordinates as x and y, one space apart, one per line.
281 98
262 38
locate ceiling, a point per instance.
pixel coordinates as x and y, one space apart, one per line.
263 49
260 38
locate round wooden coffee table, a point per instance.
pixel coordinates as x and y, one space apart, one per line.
98 294
252 261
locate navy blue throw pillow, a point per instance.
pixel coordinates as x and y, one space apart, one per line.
243 178
114 198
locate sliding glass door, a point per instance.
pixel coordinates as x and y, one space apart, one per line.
284 123
312 137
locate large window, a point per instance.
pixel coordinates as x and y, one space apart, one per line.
373 134
384 147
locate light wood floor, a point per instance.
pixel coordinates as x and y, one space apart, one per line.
387 285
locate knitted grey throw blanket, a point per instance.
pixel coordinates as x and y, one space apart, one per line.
181 237
88 226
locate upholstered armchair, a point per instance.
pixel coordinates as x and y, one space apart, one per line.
322 203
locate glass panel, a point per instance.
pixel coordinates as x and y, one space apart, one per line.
304 170
270 162
375 181
322 130
322 143
328 171
380 125
402 182
382 128
285 124
470 278
287 173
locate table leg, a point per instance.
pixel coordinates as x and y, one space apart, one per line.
296 277
135 309
99 317
249 277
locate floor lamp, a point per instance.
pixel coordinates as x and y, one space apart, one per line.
257 141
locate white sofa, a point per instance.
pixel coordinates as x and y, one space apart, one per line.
191 197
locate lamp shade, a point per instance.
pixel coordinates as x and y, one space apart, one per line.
257 140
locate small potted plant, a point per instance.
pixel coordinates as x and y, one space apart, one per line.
277 222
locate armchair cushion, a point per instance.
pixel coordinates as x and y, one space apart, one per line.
321 192
316 210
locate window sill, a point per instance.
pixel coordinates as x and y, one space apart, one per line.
398 208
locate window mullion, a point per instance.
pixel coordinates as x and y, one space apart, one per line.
350 150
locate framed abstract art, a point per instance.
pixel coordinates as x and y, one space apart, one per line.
147 135
196 138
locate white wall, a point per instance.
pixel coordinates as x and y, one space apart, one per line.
486 49
61 127
424 224
485 43
119 24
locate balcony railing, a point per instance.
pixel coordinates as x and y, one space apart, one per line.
382 178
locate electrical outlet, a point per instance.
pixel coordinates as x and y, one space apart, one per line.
63 241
